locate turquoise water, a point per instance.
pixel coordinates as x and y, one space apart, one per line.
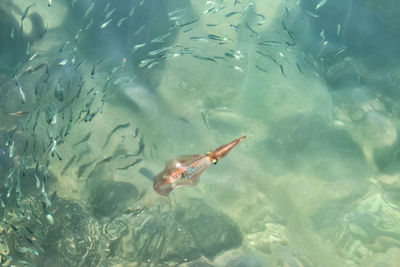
96 96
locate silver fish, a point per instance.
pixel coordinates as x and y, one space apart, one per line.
160 39
158 51
109 14
63 62
26 13
119 23
131 11
136 47
89 24
139 30
90 8
28 49
22 95
320 4
105 24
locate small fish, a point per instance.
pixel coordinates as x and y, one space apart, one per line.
63 62
93 70
44 32
146 62
63 45
119 23
287 11
238 69
131 165
283 73
290 33
136 133
118 127
136 47
84 167
269 42
199 38
139 30
22 95
322 34
189 23
231 14
11 152
26 13
53 148
251 29
49 217
158 51
69 124
18 113
105 24
262 19
215 37
262 53
77 35
235 27
273 60
141 147
85 139
261 69
320 4
106 8
28 49
338 30
49 2
47 201
131 11
340 51
119 66
33 57
160 39
311 14
219 57
12 33
186 170
209 10
90 8
174 12
37 181
205 58
124 79
298 67
89 24
109 14
147 173
152 64
324 45
25 250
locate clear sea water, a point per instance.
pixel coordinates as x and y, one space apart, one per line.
97 95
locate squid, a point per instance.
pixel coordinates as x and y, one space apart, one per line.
186 170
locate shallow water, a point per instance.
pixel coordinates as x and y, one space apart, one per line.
96 96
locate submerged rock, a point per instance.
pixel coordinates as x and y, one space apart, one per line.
179 236
74 239
213 231
110 198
